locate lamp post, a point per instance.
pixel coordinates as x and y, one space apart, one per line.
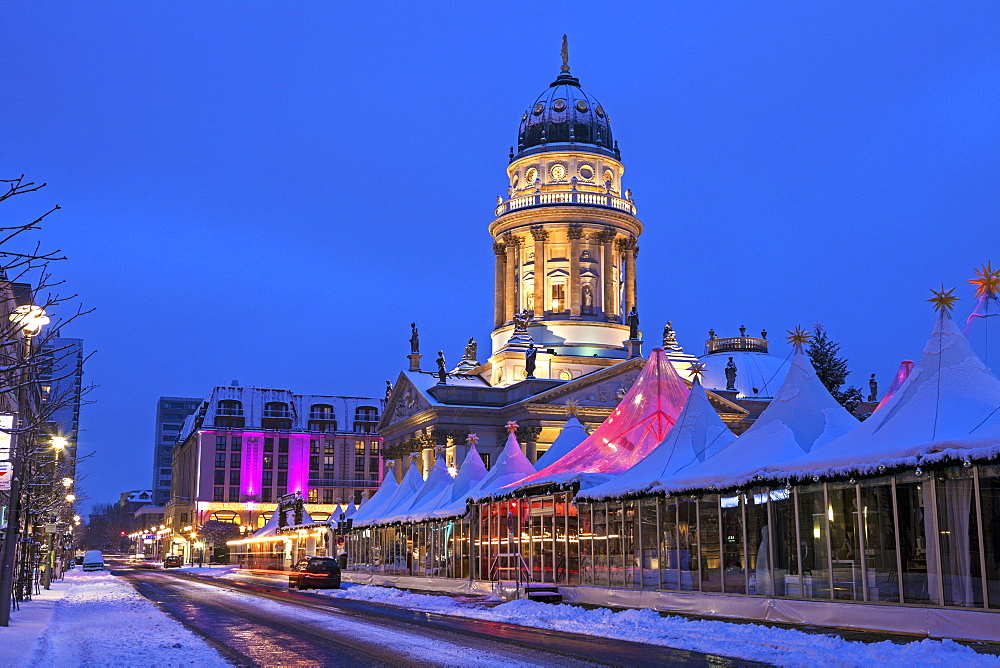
30 320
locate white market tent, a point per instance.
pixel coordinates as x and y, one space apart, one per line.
802 416
452 500
698 434
511 467
379 498
400 499
572 434
438 478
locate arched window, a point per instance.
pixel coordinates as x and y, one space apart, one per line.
276 409
321 412
225 516
229 407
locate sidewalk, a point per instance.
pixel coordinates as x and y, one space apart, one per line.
29 623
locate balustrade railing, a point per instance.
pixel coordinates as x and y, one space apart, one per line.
736 343
566 197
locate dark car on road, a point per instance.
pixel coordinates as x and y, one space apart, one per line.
315 573
172 561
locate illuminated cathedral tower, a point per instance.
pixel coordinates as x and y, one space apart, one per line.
566 240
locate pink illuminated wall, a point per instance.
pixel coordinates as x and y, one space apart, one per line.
252 465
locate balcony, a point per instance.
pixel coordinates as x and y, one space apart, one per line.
276 413
567 197
736 343
229 411
321 416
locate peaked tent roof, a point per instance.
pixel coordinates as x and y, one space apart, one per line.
438 478
379 498
902 373
273 524
698 434
452 500
982 329
802 416
351 509
640 421
949 401
403 495
571 435
511 467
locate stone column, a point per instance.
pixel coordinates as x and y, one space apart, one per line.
628 250
499 283
512 245
539 234
575 286
606 238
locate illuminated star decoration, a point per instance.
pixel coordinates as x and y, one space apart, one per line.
943 300
696 370
472 439
798 337
987 281
571 407
511 426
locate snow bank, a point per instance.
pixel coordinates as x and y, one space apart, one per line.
757 642
102 620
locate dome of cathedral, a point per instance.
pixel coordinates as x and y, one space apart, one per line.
565 114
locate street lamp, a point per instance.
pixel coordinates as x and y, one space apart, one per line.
29 319
71 497
67 482
59 443
76 518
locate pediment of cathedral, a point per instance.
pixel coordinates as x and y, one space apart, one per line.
603 388
406 400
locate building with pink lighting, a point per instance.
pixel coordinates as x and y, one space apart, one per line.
247 446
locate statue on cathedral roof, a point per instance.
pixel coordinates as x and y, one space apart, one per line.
521 320
670 338
632 320
442 372
730 374
414 339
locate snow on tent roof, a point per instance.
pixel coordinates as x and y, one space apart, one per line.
902 373
274 522
379 498
351 510
639 422
511 467
452 500
950 401
400 498
571 435
438 478
698 434
803 415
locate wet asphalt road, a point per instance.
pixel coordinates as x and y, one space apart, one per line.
259 627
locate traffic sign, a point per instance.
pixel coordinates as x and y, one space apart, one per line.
6 475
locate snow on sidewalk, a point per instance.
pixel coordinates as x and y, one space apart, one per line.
97 619
757 642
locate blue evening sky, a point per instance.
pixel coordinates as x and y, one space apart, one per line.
271 192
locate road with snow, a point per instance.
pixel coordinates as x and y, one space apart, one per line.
270 626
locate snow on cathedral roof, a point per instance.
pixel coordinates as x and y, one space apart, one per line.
452 500
571 435
949 402
639 422
698 434
802 416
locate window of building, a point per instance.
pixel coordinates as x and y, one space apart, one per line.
558 297
327 496
229 407
266 494
373 464
234 477
234 460
366 414
359 475
220 442
170 404
268 461
282 445
374 447
314 446
313 496
314 463
220 460
331 447
217 494
359 447
267 478
363 428
282 461
268 445
359 463
276 409
234 493
328 463
282 481
373 477
236 443
220 476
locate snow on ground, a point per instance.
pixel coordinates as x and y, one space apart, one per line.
101 620
786 647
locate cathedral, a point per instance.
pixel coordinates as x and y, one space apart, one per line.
565 332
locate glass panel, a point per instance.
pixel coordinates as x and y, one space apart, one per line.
559 535
843 519
960 571
708 535
989 492
758 543
880 540
912 497
734 574
630 540
573 538
616 559
649 554
783 541
601 544
812 536
669 549
586 545
537 550
687 541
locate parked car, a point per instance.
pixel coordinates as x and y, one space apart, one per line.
315 573
93 561
172 561
78 561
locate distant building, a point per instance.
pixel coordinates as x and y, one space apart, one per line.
132 501
170 415
245 447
